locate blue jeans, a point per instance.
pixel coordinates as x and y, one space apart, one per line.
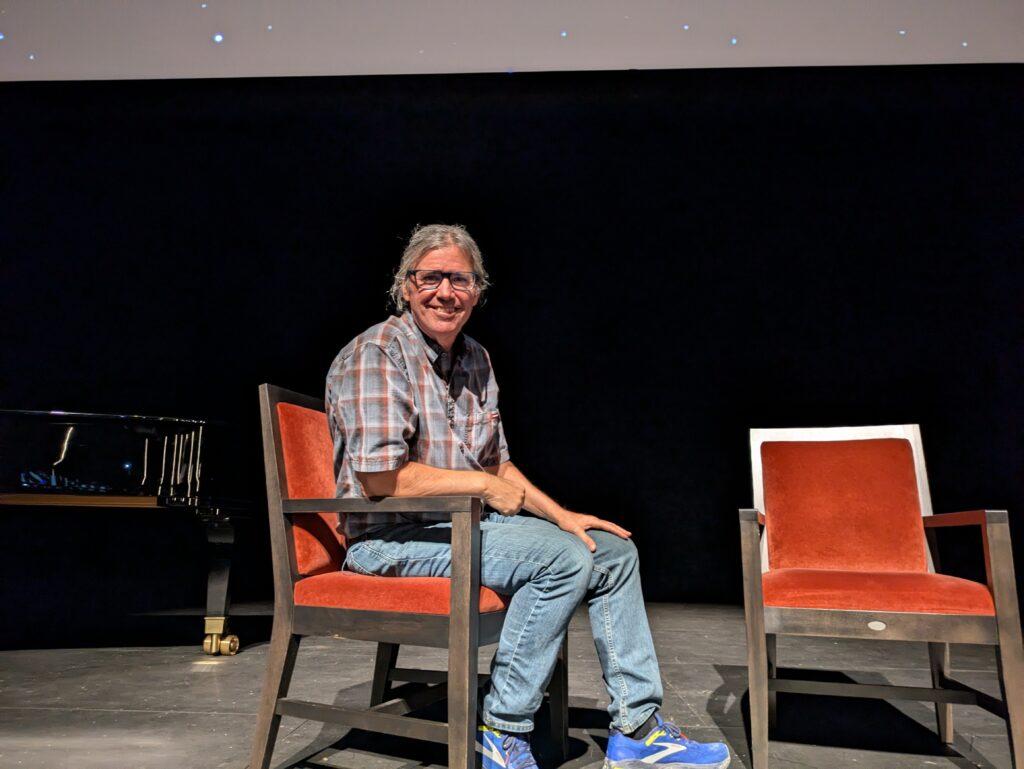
548 572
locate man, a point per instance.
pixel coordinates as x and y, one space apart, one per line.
413 408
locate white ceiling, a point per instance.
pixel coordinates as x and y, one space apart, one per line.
111 39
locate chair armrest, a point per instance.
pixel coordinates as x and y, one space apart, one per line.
461 504
750 540
995 539
750 550
750 543
966 518
752 515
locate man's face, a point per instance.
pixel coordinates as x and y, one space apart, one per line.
442 311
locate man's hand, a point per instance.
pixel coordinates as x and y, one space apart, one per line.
578 524
504 496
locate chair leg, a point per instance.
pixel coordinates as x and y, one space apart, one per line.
462 697
280 663
387 658
1010 663
757 670
558 691
757 643
1010 652
939 656
773 672
463 639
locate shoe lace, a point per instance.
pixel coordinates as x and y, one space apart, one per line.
673 731
518 751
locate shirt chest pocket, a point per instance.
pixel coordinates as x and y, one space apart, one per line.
483 435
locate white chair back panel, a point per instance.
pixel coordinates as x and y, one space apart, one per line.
911 433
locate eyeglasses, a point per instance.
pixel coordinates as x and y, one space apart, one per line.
431 279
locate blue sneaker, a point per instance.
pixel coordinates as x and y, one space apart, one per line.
504 750
664 746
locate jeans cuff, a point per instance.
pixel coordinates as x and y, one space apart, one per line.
507 726
627 728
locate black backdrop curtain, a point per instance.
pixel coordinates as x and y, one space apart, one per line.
677 257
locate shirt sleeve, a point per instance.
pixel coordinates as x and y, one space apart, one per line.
502 443
374 406
492 385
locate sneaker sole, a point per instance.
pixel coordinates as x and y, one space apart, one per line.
638 764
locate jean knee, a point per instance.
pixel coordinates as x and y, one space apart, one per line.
614 552
627 551
575 560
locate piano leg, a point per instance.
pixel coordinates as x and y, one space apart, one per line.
220 538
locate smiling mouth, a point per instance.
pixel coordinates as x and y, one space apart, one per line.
447 313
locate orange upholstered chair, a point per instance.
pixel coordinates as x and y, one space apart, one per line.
313 596
847 551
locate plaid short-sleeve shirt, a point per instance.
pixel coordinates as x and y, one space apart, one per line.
394 396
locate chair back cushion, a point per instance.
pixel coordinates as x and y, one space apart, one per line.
849 505
308 454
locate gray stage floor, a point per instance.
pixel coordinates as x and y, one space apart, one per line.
173 708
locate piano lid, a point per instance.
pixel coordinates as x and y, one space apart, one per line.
83 415
61 452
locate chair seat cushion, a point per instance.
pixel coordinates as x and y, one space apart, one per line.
898 591
415 595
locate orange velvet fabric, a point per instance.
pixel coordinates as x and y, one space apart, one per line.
320 550
846 505
309 473
421 595
900 591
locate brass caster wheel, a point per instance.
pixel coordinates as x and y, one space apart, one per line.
212 643
229 645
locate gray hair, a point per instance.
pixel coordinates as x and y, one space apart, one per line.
428 238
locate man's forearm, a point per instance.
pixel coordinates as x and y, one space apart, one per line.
537 502
414 479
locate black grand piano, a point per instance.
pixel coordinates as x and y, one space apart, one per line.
58 458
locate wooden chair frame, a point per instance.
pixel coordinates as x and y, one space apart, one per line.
766 623
462 631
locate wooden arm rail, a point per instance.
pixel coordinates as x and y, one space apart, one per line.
966 518
461 504
995 538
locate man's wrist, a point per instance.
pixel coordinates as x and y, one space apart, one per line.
557 515
483 481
